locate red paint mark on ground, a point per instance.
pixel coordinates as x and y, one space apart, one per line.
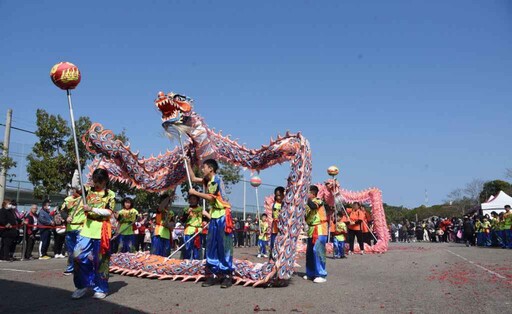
460 274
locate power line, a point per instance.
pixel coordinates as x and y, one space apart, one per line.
23 130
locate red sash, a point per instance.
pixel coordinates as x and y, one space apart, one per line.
106 232
229 222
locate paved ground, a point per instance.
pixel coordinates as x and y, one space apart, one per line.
409 278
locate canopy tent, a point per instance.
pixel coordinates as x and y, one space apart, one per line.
496 203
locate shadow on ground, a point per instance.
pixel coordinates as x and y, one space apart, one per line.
21 297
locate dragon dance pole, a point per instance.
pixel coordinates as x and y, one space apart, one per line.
77 152
333 172
257 204
185 160
179 248
66 75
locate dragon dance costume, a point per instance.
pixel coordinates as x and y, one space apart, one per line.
219 242
74 207
339 239
507 226
263 237
316 218
126 237
161 241
91 254
276 208
193 226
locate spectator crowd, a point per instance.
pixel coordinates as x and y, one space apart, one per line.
494 230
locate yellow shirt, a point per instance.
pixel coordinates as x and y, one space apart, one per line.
218 205
263 231
316 218
194 220
341 228
74 207
94 222
126 219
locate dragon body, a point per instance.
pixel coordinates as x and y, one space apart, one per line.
166 171
331 193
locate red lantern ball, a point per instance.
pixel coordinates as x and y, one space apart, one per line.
255 181
65 75
333 171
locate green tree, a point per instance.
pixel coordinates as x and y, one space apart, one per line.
493 188
49 167
52 162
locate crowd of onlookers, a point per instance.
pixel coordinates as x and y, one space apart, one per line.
481 230
45 225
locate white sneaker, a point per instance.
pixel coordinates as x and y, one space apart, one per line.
99 295
259 255
306 277
79 293
265 255
320 280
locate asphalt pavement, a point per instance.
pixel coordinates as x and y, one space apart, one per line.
409 278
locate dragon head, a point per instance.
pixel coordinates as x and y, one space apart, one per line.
174 107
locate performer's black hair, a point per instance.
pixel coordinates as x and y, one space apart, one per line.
129 200
280 189
212 163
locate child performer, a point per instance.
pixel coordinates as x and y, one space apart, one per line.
73 205
126 217
263 237
316 218
193 225
161 241
219 243
507 235
276 208
91 255
339 237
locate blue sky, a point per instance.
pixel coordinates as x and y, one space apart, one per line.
401 95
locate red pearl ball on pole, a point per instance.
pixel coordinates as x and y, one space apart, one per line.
65 75
255 181
333 171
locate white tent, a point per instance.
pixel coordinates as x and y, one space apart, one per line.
497 203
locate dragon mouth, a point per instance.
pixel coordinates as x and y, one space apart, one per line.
173 107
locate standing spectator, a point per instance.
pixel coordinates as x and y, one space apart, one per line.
239 240
46 222
468 230
9 230
248 232
59 233
255 226
393 230
357 215
426 236
141 232
431 227
30 232
419 232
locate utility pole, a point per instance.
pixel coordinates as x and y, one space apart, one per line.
7 138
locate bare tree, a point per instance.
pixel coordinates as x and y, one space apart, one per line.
473 190
508 174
